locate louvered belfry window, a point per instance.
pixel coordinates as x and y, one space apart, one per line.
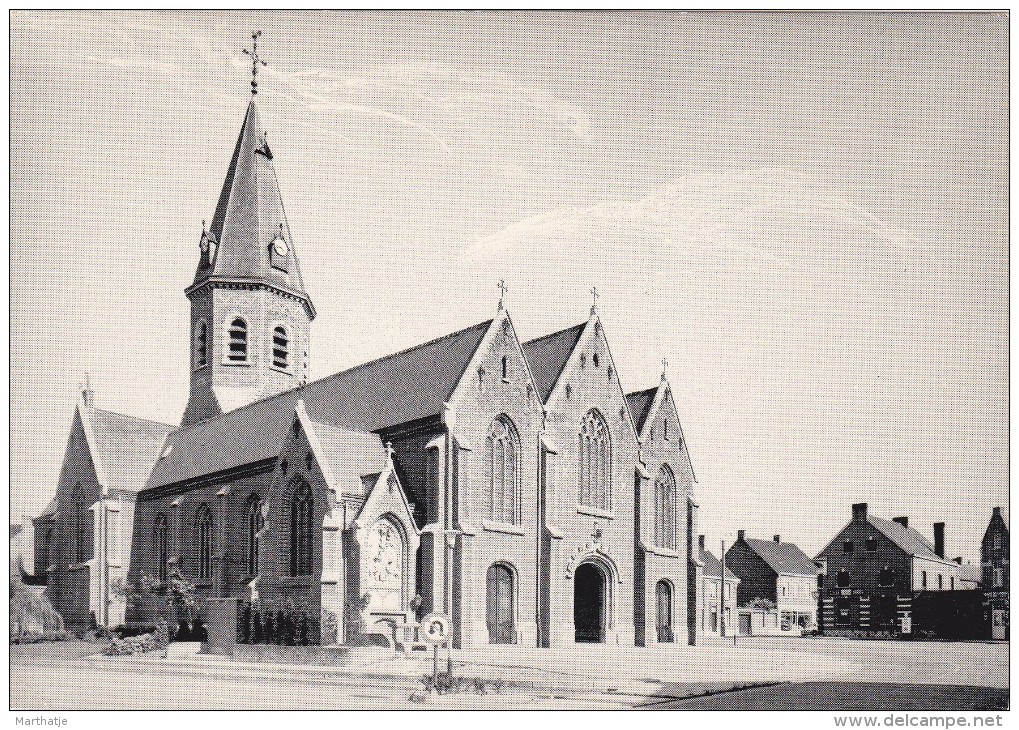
280 345
238 341
201 344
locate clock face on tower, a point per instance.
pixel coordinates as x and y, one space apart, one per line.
279 246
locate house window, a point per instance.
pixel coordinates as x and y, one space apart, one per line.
941 582
201 344
923 579
871 544
162 556
255 524
843 579
847 546
280 344
204 543
595 459
999 577
886 577
300 529
665 509
237 341
503 470
783 591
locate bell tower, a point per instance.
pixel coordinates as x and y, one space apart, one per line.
250 314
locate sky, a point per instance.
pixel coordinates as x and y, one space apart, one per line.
805 214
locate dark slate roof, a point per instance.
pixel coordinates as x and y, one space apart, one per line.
783 557
408 386
640 405
713 566
249 214
547 357
126 447
350 455
908 539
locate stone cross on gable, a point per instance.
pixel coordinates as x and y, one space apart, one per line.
255 60
594 299
665 364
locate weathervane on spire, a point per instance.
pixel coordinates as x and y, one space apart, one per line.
255 60
502 291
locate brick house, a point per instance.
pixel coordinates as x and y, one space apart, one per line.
779 572
510 484
873 561
994 554
719 602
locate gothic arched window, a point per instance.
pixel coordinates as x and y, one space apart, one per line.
237 341
255 523
595 462
665 508
204 543
162 556
201 344
503 470
300 528
280 348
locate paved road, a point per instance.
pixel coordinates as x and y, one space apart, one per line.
848 696
584 677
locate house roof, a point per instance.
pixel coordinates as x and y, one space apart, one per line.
908 539
547 356
783 557
970 573
713 566
640 405
126 447
401 388
249 216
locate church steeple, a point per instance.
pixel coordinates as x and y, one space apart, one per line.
249 238
250 313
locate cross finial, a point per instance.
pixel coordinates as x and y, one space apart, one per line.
665 364
390 450
255 60
502 292
594 299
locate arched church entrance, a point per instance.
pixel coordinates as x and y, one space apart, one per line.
499 600
590 586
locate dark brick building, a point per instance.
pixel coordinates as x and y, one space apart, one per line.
777 571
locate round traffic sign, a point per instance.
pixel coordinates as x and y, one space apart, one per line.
435 628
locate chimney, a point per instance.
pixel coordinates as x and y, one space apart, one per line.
939 539
958 560
904 521
700 542
777 538
996 512
741 535
860 511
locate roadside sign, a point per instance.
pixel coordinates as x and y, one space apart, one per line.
907 625
435 628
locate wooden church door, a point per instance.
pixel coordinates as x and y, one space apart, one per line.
500 606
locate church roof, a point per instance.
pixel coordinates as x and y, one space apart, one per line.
401 388
547 356
783 557
713 566
249 215
125 447
350 455
640 405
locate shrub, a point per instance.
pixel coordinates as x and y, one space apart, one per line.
37 637
446 683
134 645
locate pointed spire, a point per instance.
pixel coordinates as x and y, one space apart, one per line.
250 218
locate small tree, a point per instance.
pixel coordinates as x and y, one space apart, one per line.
182 597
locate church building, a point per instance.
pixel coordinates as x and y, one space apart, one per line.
512 485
